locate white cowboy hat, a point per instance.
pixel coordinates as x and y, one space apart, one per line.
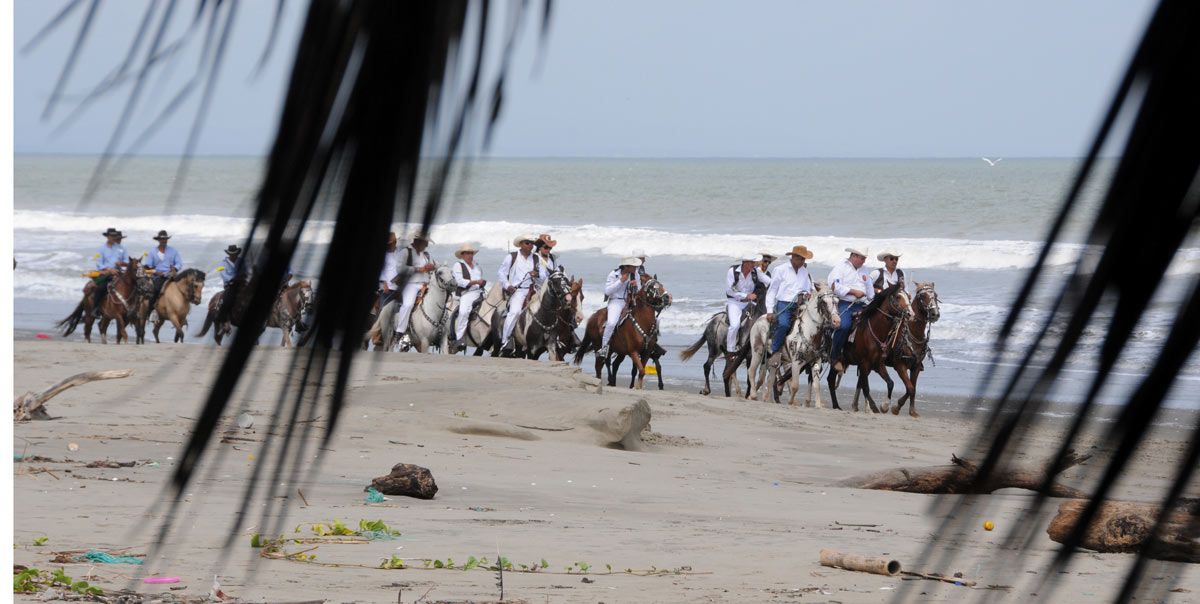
885 254
638 253
752 257
421 236
525 237
464 248
856 251
766 255
631 261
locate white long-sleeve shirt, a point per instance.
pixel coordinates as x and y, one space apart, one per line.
786 284
844 277
889 279
615 289
416 260
391 267
474 273
514 271
739 285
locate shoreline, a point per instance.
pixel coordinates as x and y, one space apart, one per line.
742 493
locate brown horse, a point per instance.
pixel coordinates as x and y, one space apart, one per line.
908 356
875 332
120 304
636 336
292 302
176 300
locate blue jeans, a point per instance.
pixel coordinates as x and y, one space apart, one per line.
783 323
845 312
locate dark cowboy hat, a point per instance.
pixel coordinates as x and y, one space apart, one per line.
111 232
161 235
233 249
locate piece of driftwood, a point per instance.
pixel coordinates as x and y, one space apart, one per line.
408 480
878 566
1125 527
961 478
31 405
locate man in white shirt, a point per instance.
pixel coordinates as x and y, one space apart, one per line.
888 275
415 267
617 286
740 283
520 272
790 287
391 270
850 282
469 277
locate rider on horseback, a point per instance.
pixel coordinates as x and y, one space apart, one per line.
166 262
850 282
391 270
888 275
520 272
544 245
469 277
740 285
415 269
229 266
109 258
617 287
790 287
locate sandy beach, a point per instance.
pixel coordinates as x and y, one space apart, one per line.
733 499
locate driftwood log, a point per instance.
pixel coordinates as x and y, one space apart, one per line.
32 405
961 477
1125 527
408 480
878 566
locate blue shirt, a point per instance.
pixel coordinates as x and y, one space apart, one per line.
170 260
230 270
108 256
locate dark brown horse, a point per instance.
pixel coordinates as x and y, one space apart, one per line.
908 356
119 304
875 332
636 336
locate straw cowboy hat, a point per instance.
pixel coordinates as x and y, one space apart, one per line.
233 249
161 235
801 251
856 251
885 254
525 237
544 240
631 261
111 232
464 248
752 257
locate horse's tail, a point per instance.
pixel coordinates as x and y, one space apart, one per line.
584 347
72 320
208 322
690 351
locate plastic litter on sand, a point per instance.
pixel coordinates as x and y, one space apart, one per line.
107 558
374 496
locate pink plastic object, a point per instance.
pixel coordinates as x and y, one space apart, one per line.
160 580
42 336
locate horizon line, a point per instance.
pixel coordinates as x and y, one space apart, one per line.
593 157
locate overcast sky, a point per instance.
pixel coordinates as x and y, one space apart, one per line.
625 78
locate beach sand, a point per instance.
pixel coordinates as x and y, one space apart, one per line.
536 462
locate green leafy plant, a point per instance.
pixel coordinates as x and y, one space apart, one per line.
40 540
32 580
395 562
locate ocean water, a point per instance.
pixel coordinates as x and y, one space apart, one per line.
971 228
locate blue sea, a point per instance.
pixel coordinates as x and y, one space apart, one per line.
971 228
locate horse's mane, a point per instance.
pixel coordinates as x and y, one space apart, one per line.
189 272
879 299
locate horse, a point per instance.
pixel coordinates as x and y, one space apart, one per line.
653 353
176 300
427 325
714 335
481 326
122 297
875 330
909 354
636 334
538 329
293 302
807 346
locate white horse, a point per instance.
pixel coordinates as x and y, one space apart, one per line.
480 331
805 346
429 325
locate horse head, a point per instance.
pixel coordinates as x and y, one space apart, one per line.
558 286
824 302
926 302
653 293
305 295
444 276
191 281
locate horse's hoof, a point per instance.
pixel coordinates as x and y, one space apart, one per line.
896 411
884 409
913 413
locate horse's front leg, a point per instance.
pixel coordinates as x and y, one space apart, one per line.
641 369
658 371
814 384
121 335
864 384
